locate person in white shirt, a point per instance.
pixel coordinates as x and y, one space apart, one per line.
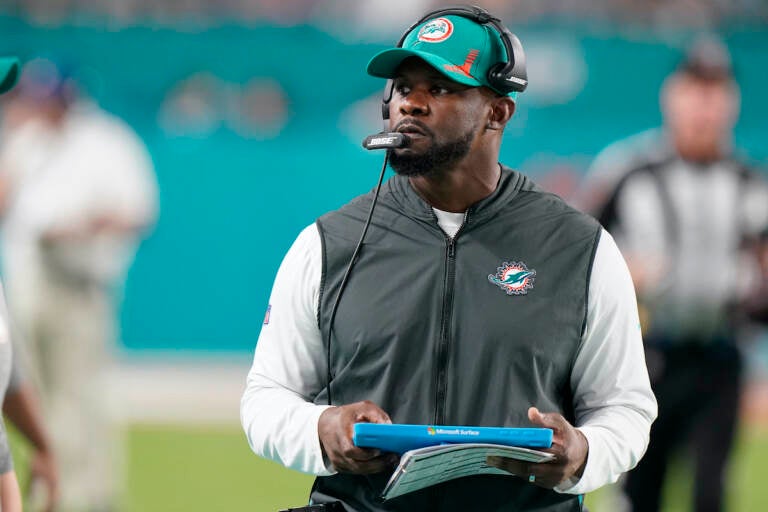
78 193
19 398
476 299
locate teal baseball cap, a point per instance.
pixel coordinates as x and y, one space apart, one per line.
9 73
457 47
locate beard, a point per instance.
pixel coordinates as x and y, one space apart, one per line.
435 159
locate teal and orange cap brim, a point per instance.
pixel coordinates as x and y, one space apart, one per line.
385 63
9 73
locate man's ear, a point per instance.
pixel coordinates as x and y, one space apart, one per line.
502 110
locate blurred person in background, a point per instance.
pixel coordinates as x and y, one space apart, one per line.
19 400
77 193
688 216
21 406
756 304
10 496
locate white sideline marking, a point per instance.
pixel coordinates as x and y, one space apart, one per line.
165 389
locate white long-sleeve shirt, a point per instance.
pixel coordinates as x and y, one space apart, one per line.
613 401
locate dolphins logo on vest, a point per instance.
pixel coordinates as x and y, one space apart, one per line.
514 278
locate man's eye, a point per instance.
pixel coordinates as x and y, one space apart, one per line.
402 90
440 89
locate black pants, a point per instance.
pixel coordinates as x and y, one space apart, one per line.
698 389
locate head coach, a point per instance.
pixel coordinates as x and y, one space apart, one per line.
476 299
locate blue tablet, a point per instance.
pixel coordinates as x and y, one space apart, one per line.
400 438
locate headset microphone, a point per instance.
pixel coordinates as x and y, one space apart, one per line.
386 140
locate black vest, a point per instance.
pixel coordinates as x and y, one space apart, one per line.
456 331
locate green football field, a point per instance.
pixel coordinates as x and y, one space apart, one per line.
189 469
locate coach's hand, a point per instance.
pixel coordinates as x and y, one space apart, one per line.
335 429
569 446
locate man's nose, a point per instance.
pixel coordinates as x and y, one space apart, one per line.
416 102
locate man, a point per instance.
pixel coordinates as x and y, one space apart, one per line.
19 401
22 407
10 496
756 302
688 217
78 193
429 330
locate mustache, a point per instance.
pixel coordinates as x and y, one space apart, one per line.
415 123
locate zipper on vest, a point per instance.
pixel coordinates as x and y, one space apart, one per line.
444 344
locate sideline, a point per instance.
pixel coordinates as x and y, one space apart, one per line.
206 389
169 388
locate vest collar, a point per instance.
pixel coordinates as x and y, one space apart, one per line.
399 190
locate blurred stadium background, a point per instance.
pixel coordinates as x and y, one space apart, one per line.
251 106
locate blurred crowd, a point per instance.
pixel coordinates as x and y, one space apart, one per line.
700 13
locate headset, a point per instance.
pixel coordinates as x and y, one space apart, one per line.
504 77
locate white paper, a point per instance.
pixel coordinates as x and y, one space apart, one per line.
428 466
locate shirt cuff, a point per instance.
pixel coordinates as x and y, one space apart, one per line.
321 466
577 485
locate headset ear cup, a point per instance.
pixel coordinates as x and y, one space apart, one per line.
497 79
519 69
386 98
385 116
511 75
